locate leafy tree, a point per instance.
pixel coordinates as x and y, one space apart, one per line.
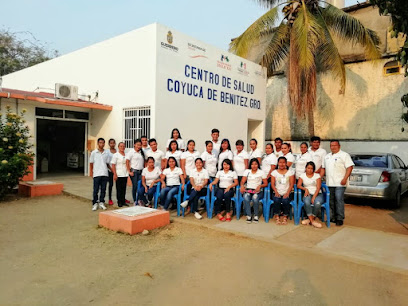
305 39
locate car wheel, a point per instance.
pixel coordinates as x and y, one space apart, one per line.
397 199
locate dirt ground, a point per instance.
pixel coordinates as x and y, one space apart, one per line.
52 252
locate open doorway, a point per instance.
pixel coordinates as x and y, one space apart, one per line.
256 129
60 147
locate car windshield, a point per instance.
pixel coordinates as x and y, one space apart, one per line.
377 161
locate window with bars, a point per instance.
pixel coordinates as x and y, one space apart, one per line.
136 124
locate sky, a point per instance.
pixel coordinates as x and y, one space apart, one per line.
73 24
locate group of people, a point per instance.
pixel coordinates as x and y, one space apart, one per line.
221 168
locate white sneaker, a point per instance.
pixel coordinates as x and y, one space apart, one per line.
306 222
197 215
256 219
102 206
95 207
184 204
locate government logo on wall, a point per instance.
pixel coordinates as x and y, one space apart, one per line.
169 37
242 69
224 62
168 45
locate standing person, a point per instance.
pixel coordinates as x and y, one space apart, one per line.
198 180
173 177
145 145
215 134
150 178
255 179
317 153
173 150
225 153
302 159
228 179
311 183
156 154
135 163
175 135
210 159
99 161
278 147
337 166
120 174
187 159
269 161
287 153
111 151
240 161
282 182
255 152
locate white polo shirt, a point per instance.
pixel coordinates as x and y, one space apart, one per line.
180 142
301 161
310 183
210 162
289 157
176 155
239 162
110 156
199 176
318 157
136 159
119 161
224 155
146 150
255 154
173 177
216 146
226 179
157 155
268 161
190 160
254 179
100 161
151 176
278 154
282 181
336 165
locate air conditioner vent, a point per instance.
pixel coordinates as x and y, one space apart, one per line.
64 91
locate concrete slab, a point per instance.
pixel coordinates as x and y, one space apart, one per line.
373 246
37 189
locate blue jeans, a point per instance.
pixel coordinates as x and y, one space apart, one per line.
150 193
99 182
254 197
137 176
194 197
281 204
166 194
313 209
337 203
223 196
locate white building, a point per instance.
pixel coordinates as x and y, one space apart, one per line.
145 82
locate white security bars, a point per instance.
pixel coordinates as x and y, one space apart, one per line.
136 124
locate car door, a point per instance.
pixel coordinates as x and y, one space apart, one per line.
403 174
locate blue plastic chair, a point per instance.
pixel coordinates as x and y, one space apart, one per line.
268 204
325 205
239 199
156 194
206 198
213 198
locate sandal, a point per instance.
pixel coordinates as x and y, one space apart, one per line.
277 220
221 217
284 220
316 224
228 218
306 222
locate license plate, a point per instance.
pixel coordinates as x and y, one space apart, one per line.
356 178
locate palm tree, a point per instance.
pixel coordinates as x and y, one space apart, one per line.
305 40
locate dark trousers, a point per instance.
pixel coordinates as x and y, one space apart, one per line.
99 182
137 176
226 196
110 185
121 190
281 204
337 203
194 197
150 193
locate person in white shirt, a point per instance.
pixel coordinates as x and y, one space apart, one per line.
99 161
287 153
228 179
311 183
269 161
171 178
150 178
173 150
278 147
158 155
120 174
210 159
215 134
255 179
282 182
198 180
187 159
111 151
302 159
145 144
255 152
135 161
225 153
241 160
337 166
317 153
175 135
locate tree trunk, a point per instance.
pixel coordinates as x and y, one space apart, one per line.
310 120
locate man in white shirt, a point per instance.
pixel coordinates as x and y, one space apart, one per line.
317 153
145 146
278 147
99 162
215 134
156 154
111 151
337 166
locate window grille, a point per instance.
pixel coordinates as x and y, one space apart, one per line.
136 124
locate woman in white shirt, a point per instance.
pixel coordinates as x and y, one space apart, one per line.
120 173
210 159
228 179
311 183
135 161
255 152
255 179
269 161
187 159
287 153
240 161
150 178
172 176
225 153
302 159
282 182
175 135
173 150
198 180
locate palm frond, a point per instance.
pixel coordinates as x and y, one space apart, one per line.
270 3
